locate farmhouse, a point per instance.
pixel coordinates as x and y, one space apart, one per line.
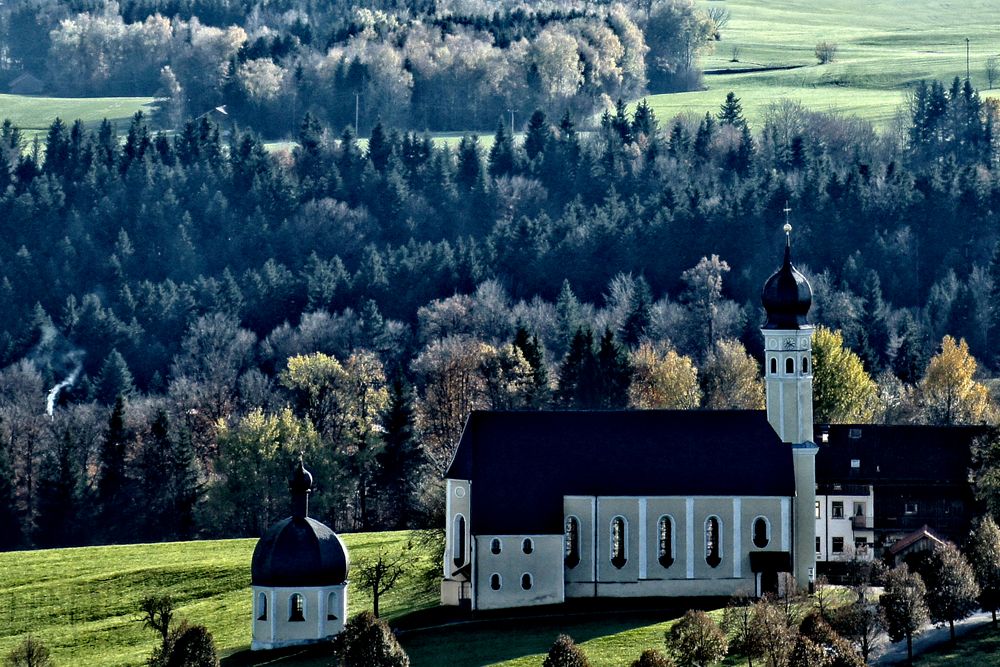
299 577
547 506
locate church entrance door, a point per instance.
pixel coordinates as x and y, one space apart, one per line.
768 582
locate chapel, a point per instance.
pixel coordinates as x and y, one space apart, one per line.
548 506
299 577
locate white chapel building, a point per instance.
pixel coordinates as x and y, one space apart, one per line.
299 577
548 506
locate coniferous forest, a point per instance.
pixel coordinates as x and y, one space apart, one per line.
183 314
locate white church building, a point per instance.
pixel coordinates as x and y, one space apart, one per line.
547 506
299 577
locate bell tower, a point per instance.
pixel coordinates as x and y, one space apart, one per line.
788 373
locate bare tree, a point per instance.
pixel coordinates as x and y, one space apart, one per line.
992 70
826 52
736 52
380 573
720 17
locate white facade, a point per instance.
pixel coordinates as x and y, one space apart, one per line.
294 616
844 522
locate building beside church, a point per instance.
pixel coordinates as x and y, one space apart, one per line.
548 506
299 577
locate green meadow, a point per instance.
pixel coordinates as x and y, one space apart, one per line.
883 48
34 114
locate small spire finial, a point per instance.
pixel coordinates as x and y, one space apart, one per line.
788 225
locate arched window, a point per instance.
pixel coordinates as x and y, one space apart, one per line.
262 607
789 365
805 364
526 581
495 581
619 538
331 606
296 608
572 542
774 365
458 541
713 545
761 532
665 541
527 546
495 546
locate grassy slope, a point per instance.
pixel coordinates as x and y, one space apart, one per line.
981 648
82 602
884 48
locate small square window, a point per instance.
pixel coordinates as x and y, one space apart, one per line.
838 509
855 463
909 508
854 434
837 545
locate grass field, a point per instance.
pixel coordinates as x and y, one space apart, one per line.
82 602
980 648
884 47
34 114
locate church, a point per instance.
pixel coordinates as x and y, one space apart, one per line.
548 506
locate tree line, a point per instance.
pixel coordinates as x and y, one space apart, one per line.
184 313
431 67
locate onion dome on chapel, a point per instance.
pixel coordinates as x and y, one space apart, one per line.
787 295
299 551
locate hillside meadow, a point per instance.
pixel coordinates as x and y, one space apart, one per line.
883 48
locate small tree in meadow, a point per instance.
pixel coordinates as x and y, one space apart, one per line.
826 52
369 642
192 646
697 640
29 653
564 653
738 626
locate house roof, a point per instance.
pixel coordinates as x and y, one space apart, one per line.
904 543
895 454
522 464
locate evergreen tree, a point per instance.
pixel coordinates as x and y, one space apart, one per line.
874 334
911 356
10 526
644 120
111 481
568 314
731 112
578 373
470 165
538 393
379 147
401 461
114 379
638 318
704 136
58 512
501 157
537 135
614 374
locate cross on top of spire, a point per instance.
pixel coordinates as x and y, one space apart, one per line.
788 225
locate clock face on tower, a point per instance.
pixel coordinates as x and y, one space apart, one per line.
789 343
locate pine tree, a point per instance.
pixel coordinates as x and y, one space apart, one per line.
538 393
638 318
731 112
10 526
58 517
568 314
469 163
578 373
114 379
111 481
537 135
703 139
874 334
911 355
614 374
501 157
401 462
644 120
379 148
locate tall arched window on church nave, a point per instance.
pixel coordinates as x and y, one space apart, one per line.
665 541
458 541
761 532
572 542
713 541
619 539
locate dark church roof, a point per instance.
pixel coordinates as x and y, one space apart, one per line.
299 551
786 295
894 454
521 464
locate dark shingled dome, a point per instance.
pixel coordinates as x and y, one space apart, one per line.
299 551
786 296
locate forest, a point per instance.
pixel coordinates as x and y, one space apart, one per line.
184 314
428 66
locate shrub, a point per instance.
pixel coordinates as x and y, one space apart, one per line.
697 640
192 646
826 52
653 658
369 642
29 653
564 653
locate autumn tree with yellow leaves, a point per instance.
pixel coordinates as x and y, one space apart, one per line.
661 378
842 391
949 394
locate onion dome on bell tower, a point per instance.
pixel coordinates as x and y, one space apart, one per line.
787 295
